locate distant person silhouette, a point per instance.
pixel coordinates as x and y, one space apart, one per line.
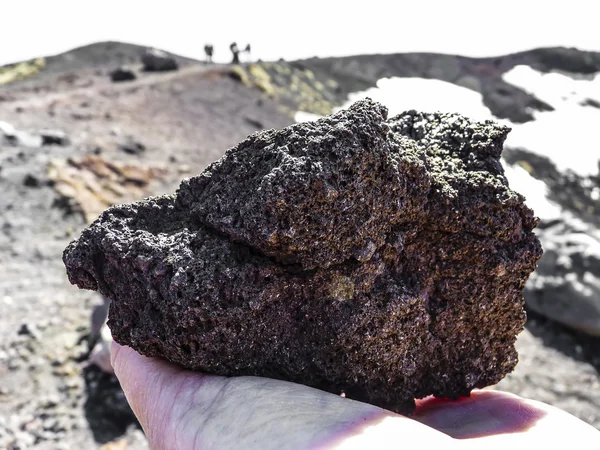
208 50
247 50
236 53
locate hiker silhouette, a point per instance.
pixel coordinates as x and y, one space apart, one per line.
208 51
236 53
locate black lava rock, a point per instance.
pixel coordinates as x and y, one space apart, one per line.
54 137
122 74
591 102
158 61
381 258
132 146
31 180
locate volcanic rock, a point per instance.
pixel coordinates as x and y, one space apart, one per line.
132 146
591 102
122 74
385 259
155 60
54 137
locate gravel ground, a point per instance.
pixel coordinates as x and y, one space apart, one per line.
50 398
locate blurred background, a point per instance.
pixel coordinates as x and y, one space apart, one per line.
108 102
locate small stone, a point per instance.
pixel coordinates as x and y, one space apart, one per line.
54 137
254 123
73 383
50 401
591 102
132 146
122 74
31 180
29 329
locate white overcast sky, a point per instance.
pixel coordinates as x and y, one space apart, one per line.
30 28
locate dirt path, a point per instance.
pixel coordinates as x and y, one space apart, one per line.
104 87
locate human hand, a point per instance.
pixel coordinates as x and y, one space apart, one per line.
180 409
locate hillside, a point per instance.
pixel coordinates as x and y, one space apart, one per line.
72 142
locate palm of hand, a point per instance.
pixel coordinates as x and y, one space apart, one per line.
179 409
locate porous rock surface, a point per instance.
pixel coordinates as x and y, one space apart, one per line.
385 259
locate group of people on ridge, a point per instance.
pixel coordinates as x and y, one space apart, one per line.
235 51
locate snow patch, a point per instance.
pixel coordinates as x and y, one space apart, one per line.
568 135
402 94
565 135
534 191
303 116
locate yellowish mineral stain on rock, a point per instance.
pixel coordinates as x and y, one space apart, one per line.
341 287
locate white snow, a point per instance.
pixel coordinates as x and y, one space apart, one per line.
401 94
535 192
7 129
553 88
568 135
303 116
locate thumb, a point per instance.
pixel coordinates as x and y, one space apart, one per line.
150 386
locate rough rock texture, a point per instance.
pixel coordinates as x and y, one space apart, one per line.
383 259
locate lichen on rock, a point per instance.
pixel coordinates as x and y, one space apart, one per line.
382 258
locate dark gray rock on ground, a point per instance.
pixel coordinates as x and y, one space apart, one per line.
383 259
155 60
54 137
591 103
131 146
122 74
